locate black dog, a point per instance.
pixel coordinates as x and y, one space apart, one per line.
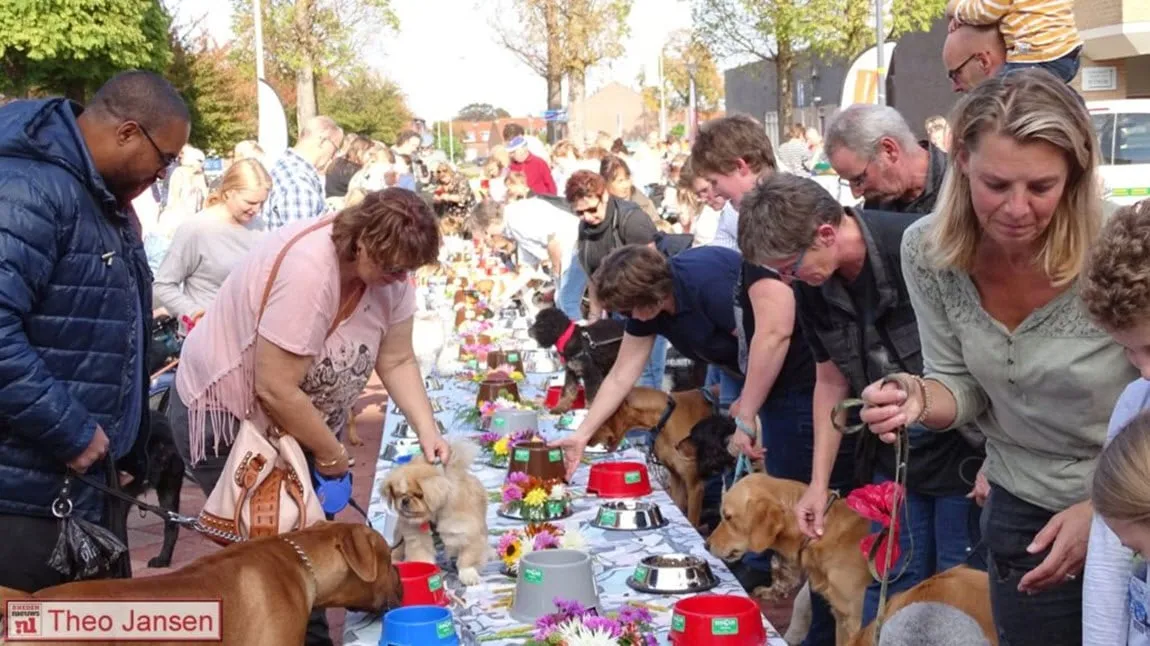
707 444
588 351
165 475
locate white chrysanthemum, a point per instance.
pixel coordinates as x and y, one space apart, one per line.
572 539
575 633
558 491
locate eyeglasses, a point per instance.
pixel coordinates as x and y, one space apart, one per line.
588 211
167 159
953 74
793 269
857 180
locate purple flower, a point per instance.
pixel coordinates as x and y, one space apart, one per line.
511 493
489 438
629 614
544 626
606 624
569 609
546 541
518 478
650 640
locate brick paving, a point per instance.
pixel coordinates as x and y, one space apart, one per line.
145 535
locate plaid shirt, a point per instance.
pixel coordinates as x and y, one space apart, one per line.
297 192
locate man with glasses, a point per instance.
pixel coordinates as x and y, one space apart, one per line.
297 189
875 153
853 307
973 54
75 307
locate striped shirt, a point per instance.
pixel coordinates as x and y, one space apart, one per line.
1035 31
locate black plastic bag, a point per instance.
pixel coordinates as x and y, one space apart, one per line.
85 550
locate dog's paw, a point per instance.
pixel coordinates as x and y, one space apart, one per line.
469 576
158 562
354 439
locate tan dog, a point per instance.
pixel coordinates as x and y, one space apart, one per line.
758 514
449 498
642 409
962 587
267 589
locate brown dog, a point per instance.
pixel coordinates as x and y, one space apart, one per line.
962 587
642 409
758 514
266 587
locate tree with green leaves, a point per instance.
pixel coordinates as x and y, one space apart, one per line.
365 103
592 32
71 47
778 31
481 112
220 97
530 29
451 145
684 55
311 39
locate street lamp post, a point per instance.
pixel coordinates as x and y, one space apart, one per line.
662 99
693 109
880 51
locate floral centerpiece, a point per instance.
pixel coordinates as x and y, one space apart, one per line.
478 376
875 503
527 498
498 446
480 416
515 543
574 625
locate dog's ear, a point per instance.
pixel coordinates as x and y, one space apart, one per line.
436 491
357 549
768 521
687 449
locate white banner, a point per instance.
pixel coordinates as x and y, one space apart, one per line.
86 620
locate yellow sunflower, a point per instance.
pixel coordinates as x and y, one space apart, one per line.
511 552
500 446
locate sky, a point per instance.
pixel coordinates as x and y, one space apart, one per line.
446 55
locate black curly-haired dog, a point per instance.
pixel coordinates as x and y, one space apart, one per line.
707 445
588 351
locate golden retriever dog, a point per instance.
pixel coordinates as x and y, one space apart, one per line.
447 498
642 409
961 587
758 514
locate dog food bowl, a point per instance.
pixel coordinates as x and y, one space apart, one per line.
547 574
422 584
619 480
672 574
552 510
629 515
404 446
404 430
555 393
538 460
513 358
571 420
541 361
718 620
436 407
493 386
512 420
419 626
431 383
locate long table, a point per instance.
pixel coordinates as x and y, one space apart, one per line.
481 614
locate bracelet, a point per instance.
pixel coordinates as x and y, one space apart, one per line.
925 394
332 463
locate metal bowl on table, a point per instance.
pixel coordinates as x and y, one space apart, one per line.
629 515
672 574
401 447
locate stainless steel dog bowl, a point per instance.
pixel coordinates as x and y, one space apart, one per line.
401 447
672 574
436 407
629 515
431 383
404 430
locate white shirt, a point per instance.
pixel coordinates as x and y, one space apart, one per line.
727 235
706 226
532 222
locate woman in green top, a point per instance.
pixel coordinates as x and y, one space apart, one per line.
1008 345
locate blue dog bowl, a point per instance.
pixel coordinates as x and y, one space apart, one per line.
419 626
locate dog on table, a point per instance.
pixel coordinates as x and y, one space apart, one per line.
267 587
965 589
447 498
588 351
758 514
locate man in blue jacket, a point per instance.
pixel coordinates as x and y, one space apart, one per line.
75 299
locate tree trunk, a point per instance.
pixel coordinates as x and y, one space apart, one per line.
784 70
576 97
554 76
76 91
305 75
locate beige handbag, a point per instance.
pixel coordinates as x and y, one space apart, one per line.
265 488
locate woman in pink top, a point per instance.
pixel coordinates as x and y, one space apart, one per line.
340 306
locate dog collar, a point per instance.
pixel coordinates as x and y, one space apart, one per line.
425 528
303 557
565 338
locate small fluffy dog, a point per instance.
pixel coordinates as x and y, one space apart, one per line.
588 351
447 498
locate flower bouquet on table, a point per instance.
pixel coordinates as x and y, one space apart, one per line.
528 498
478 377
480 415
574 625
875 502
515 543
497 446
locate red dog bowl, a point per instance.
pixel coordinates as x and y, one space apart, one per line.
717 620
422 584
555 392
619 480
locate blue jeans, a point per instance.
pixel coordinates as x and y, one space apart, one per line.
569 296
1065 68
656 365
934 533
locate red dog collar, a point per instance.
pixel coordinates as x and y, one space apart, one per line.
425 528
565 337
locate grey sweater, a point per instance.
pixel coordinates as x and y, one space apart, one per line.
204 250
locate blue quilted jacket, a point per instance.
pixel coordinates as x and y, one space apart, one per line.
70 264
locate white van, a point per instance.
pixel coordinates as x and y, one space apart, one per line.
1123 128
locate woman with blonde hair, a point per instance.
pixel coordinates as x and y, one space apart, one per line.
1007 344
206 248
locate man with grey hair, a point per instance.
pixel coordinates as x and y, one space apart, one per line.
875 153
297 189
856 315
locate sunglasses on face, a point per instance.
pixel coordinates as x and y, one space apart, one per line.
587 211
